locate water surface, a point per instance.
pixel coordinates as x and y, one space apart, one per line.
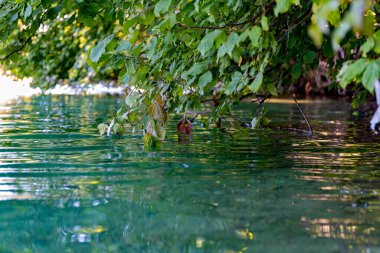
65 189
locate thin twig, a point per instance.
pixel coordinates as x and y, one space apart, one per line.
218 27
304 116
17 50
25 43
226 25
289 30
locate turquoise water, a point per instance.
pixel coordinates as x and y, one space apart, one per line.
65 189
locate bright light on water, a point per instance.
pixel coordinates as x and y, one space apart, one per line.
11 88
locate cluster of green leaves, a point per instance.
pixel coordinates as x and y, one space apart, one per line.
353 26
49 40
175 54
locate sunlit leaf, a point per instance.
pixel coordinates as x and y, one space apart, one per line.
99 49
162 7
264 23
350 71
371 74
207 42
367 46
257 82
204 79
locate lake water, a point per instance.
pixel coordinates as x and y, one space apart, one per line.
63 188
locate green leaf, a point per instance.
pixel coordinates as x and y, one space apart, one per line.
315 34
296 71
157 111
147 18
371 74
235 80
350 71
126 78
162 7
208 42
204 79
46 3
255 123
54 12
376 38
28 11
131 99
309 57
254 35
334 17
124 45
172 20
264 23
99 49
257 82
228 46
272 89
283 6
161 132
198 68
367 46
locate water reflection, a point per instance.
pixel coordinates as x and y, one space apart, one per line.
64 188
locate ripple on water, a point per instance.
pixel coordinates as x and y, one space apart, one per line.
63 188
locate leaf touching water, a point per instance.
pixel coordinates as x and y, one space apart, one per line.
184 126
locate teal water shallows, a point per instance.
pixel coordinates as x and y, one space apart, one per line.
63 188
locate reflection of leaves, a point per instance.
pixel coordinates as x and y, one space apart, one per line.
283 6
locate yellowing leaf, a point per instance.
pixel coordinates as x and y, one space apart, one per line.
315 34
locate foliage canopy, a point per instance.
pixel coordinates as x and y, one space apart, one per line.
175 54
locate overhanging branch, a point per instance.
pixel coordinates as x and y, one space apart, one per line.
17 50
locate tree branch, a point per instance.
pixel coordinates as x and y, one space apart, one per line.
226 25
310 132
26 42
218 27
17 50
